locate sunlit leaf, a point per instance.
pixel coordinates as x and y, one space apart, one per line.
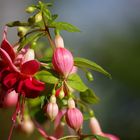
85 63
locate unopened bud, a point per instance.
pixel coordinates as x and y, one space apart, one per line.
11 99
61 94
62 61
22 31
59 43
30 9
27 126
52 110
74 118
38 17
95 126
53 99
71 103
89 76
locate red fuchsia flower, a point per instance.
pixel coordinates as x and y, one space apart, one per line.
74 117
52 108
62 61
11 99
19 77
96 129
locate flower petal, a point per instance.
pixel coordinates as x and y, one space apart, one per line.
30 67
31 88
10 80
6 58
7 46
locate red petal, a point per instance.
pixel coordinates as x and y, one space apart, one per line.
7 46
6 58
32 88
10 80
30 67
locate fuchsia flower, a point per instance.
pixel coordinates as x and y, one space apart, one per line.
63 61
96 129
16 74
74 117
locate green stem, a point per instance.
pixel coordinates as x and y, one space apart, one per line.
36 30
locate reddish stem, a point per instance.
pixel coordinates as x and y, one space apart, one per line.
11 131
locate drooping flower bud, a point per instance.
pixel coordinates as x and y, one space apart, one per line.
60 93
63 61
96 129
74 117
95 126
11 99
52 108
59 43
27 126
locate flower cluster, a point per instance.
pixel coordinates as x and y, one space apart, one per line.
17 70
23 78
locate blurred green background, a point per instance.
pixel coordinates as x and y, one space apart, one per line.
111 37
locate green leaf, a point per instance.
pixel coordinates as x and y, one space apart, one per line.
100 137
47 14
85 63
46 77
89 96
75 82
65 26
27 40
17 23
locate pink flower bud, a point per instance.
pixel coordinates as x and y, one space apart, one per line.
63 61
11 99
96 129
95 126
59 43
74 117
52 108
